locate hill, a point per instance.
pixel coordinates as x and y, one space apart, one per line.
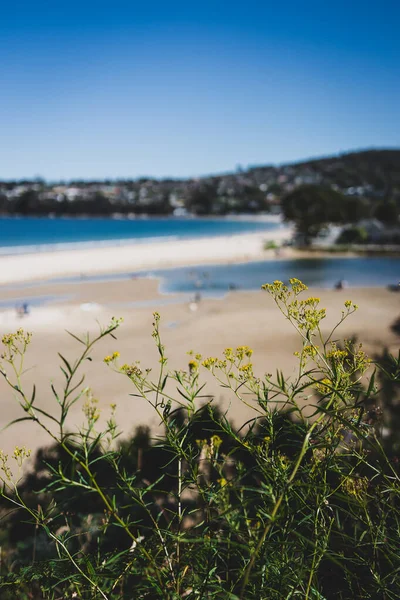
370 174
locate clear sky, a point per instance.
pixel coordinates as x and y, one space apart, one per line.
120 88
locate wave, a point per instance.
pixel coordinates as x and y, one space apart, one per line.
51 247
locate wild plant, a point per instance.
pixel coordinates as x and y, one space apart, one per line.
301 501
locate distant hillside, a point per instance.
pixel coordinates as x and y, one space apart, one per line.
379 169
370 174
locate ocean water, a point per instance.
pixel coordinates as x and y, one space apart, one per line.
32 234
314 272
217 280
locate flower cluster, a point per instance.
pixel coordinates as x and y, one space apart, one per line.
111 358
355 486
4 466
306 314
193 365
20 454
90 408
210 447
133 371
14 344
280 292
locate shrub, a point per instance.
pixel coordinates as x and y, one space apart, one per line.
270 245
299 502
353 235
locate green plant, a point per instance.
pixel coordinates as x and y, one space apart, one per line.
270 245
299 502
353 235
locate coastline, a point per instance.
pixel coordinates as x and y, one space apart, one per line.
17 268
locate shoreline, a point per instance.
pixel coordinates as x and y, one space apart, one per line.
34 248
18 268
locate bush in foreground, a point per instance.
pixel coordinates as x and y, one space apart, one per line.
297 503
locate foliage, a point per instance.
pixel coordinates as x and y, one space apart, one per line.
299 502
271 245
353 235
312 207
387 212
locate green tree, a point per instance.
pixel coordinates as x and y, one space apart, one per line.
312 207
387 212
27 203
354 235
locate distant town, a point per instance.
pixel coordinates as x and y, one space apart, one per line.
365 184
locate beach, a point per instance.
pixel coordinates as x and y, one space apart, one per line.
239 318
139 256
207 326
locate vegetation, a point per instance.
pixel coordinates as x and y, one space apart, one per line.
353 235
311 208
302 501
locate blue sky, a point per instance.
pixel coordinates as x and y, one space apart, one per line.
124 89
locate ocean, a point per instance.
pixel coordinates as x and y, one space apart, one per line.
217 280
31 234
21 235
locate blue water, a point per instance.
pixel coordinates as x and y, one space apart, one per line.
217 280
314 272
34 233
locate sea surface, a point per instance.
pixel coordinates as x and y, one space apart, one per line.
314 272
21 235
217 280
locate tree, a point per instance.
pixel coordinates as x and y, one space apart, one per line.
353 235
201 198
312 207
27 203
387 212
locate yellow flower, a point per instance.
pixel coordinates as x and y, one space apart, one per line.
216 441
355 486
208 363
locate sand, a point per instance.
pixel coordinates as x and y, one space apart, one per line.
138 256
240 318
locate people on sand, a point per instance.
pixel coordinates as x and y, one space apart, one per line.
22 310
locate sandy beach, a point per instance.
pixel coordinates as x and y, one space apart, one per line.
138 256
240 318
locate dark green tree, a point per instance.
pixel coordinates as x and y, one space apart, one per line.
387 212
27 203
312 207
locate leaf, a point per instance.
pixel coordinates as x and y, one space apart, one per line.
65 374
76 337
53 389
371 386
162 386
46 414
65 362
16 421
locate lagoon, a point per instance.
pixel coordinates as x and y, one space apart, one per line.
217 280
